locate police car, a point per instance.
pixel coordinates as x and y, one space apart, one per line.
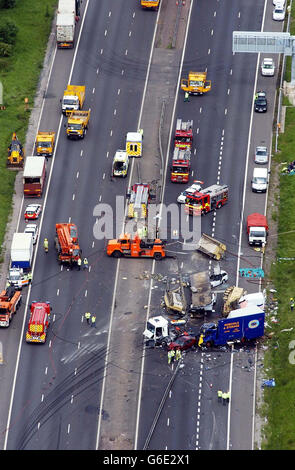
33 211
190 190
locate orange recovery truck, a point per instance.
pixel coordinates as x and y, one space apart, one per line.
39 322
136 248
66 243
10 301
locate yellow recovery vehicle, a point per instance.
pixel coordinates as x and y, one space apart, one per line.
45 143
196 83
16 154
77 124
73 99
150 4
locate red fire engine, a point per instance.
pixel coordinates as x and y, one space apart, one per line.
66 243
181 165
183 134
206 200
39 322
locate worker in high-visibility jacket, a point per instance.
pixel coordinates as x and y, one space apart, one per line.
201 340
45 245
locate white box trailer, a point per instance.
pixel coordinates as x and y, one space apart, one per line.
66 6
65 30
21 252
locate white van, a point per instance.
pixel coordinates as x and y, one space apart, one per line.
260 180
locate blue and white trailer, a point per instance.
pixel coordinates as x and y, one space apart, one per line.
240 325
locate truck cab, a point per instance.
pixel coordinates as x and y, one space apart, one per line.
196 83
156 331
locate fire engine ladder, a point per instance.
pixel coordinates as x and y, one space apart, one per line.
184 125
139 206
215 189
181 154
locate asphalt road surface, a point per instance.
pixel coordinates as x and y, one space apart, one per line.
56 394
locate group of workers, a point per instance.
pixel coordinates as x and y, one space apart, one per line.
91 319
174 355
223 397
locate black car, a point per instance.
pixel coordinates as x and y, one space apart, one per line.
260 103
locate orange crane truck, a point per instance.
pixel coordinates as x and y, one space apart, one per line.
10 301
136 248
66 243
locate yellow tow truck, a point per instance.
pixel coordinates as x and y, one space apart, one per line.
45 143
150 4
196 83
78 124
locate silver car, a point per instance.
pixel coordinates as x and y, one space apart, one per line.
261 155
268 67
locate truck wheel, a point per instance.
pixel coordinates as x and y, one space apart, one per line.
157 256
209 344
117 254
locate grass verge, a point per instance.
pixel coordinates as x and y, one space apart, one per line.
19 75
279 402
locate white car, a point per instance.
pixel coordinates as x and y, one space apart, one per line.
33 230
190 190
276 2
268 67
218 279
279 12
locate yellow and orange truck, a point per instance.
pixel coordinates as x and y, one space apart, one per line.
150 4
78 124
45 143
196 83
73 98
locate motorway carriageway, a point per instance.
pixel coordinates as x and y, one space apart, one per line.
56 389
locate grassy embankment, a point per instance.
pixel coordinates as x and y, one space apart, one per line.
19 74
279 407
